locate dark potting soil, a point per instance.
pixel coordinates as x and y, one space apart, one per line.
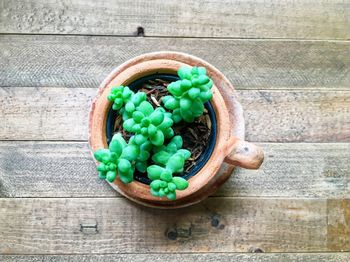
195 135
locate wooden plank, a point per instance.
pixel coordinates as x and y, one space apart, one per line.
320 19
56 169
77 61
112 225
203 257
270 115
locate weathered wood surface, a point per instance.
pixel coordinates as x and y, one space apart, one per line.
84 61
204 257
270 115
320 19
64 169
115 225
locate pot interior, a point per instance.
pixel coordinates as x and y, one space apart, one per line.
205 155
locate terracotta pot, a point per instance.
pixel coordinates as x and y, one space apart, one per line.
230 148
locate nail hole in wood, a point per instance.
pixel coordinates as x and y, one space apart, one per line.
171 234
140 31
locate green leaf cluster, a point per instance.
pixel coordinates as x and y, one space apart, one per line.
188 94
113 161
169 159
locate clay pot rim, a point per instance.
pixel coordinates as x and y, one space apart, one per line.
138 191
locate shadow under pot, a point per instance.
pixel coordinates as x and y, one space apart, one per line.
225 147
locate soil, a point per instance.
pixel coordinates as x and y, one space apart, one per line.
195 135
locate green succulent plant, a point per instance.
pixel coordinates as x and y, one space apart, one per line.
170 159
115 161
151 128
150 124
125 100
188 94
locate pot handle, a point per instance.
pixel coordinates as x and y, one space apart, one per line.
243 154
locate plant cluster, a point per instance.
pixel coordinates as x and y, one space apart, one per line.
153 140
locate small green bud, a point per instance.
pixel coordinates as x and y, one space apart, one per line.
155 184
180 183
127 92
130 152
116 147
111 175
145 122
127 177
166 175
197 107
161 157
152 130
184 72
157 139
171 147
144 131
167 122
124 165
175 163
129 124
137 116
144 155
102 155
140 139
185 103
185 153
194 93
161 192
138 98
185 85
156 118
141 166
129 107
187 115
171 103
154 171
136 128
146 108
206 96
171 186
119 138
201 70
178 141
102 175
174 88
154 192
147 146
101 167
171 195
168 133
203 79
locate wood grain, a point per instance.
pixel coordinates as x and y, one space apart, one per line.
259 19
65 169
204 257
84 61
270 115
112 225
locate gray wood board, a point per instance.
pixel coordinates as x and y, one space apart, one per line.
202 257
115 225
270 115
64 169
84 61
312 19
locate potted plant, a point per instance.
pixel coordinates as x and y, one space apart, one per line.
161 127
